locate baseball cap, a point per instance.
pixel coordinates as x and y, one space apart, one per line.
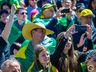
87 12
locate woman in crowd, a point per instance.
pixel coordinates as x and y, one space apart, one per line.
31 5
42 60
65 58
68 60
92 6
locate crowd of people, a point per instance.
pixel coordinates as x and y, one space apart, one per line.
47 35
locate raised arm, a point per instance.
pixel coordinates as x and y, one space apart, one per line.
7 29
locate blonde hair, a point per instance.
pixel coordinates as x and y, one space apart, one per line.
5 66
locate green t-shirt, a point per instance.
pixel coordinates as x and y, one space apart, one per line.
65 23
49 43
15 32
26 54
26 57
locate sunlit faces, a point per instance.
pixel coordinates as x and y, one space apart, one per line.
22 15
94 4
14 67
5 7
4 17
66 3
32 0
33 3
44 57
48 13
86 19
11 66
68 44
38 34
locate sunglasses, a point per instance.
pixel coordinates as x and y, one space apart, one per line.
44 31
88 17
33 0
24 13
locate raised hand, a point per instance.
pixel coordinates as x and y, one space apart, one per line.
70 31
82 40
89 31
13 9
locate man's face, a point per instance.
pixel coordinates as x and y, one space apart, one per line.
86 20
33 3
22 15
13 67
66 3
5 7
94 4
38 34
48 13
4 18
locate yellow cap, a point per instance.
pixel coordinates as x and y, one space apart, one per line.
86 12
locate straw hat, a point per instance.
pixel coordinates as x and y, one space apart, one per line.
26 31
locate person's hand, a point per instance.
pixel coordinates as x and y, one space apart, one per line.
58 13
22 4
72 27
89 31
13 9
70 31
82 40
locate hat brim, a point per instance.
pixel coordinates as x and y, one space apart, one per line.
90 15
26 31
86 12
49 7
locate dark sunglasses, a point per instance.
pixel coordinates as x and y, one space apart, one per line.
87 17
44 31
33 0
23 13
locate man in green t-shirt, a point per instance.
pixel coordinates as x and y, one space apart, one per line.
35 33
16 32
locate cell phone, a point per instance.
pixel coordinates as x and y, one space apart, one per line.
80 28
65 11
